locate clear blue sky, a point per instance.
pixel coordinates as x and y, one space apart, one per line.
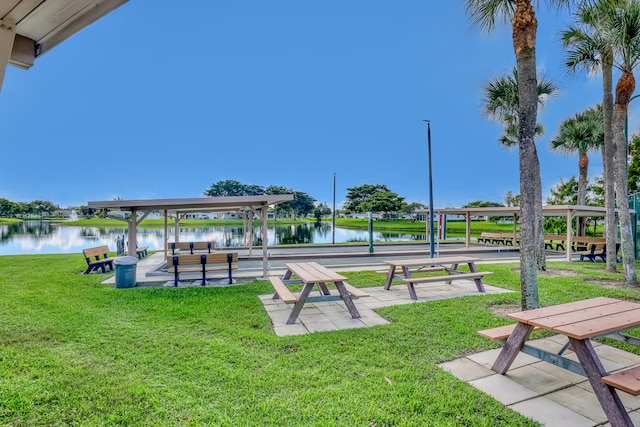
149 104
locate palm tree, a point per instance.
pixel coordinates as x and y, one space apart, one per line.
580 134
624 32
501 102
521 13
587 47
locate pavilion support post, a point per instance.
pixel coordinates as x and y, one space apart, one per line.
467 230
166 233
265 236
132 238
569 234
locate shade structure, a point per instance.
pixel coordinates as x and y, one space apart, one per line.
567 211
140 209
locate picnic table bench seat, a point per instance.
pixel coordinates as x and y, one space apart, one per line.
447 278
94 262
287 296
501 332
627 380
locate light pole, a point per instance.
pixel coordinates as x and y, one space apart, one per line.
333 228
431 234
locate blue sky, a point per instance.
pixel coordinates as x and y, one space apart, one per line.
149 104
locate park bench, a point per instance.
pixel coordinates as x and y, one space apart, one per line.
593 251
192 246
94 262
142 251
193 263
551 240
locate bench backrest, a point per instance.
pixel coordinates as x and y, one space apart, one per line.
96 252
192 246
198 259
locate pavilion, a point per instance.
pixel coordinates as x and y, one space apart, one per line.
567 211
248 206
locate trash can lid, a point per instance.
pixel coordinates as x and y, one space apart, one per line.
125 260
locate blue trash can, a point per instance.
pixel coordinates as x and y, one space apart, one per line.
125 271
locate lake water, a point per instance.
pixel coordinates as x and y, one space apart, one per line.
43 237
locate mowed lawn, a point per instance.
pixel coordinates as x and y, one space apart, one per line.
76 352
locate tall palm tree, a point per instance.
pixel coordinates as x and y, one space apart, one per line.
624 32
587 48
524 24
580 134
500 99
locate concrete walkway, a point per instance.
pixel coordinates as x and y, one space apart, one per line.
333 315
553 396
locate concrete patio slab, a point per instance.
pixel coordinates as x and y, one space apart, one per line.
544 392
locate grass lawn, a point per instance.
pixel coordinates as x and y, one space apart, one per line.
76 352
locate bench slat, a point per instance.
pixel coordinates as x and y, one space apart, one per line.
476 275
281 289
358 293
501 332
627 380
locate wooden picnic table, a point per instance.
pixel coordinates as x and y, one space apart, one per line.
311 274
581 321
448 264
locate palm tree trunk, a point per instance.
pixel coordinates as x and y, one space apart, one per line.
624 89
531 234
608 150
583 168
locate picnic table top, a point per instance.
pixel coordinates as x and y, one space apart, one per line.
312 272
583 319
428 261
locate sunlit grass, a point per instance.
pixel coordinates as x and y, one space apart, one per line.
75 351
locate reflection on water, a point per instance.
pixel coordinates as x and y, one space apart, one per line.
42 237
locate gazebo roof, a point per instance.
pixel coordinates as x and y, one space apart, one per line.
549 210
200 204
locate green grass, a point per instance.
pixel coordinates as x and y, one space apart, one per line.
76 352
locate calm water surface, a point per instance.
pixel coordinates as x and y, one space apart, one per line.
42 237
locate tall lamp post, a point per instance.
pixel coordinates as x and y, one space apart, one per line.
333 228
431 234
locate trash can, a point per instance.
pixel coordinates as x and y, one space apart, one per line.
125 271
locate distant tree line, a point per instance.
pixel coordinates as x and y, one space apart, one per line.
41 208
301 205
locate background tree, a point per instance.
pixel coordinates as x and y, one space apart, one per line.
589 48
624 31
634 164
564 192
383 201
500 100
357 196
8 209
321 210
42 208
230 187
580 134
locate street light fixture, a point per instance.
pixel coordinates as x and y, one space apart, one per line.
431 234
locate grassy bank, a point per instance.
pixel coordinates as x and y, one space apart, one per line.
76 352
